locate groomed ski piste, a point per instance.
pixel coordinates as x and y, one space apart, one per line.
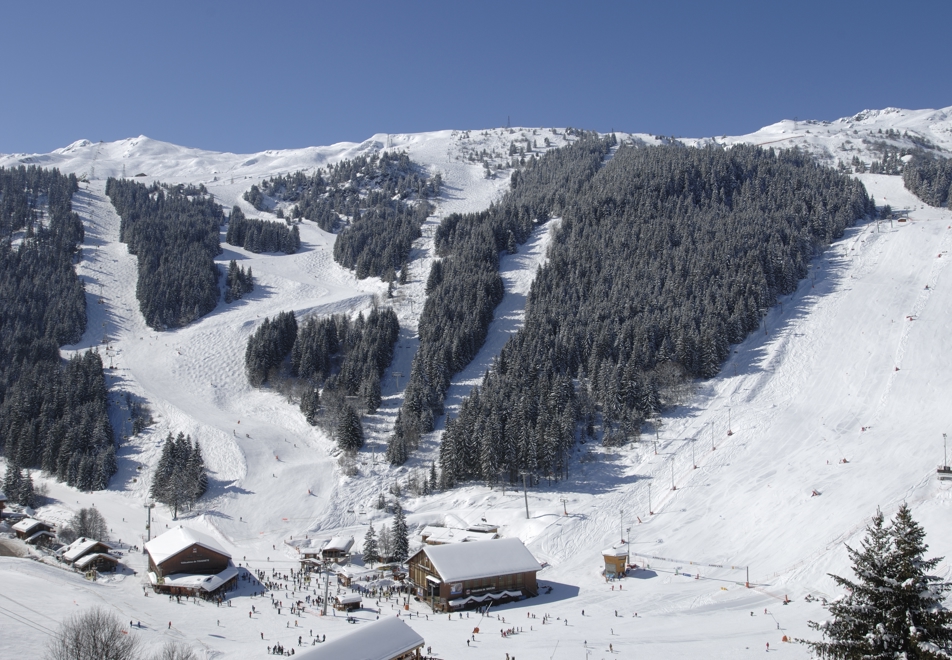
843 393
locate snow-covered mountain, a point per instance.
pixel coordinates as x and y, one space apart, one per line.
855 365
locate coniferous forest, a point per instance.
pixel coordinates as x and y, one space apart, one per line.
666 257
174 231
257 235
331 359
929 178
377 203
52 415
464 287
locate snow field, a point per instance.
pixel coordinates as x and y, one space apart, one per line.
798 399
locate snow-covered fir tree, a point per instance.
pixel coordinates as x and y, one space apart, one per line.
894 608
370 554
180 477
401 535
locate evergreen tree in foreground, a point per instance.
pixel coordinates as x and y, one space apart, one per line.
400 535
180 477
893 609
371 555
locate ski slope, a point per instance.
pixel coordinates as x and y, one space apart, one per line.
854 365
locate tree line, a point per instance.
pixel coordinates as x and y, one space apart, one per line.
257 235
377 203
666 257
53 415
929 178
180 477
464 286
174 232
331 360
238 281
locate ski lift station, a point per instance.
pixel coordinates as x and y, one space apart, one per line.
616 560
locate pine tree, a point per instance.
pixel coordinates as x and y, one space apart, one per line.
350 433
892 609
370 555
400 535
26 495
197 476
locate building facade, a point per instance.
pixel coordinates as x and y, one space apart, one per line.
464 575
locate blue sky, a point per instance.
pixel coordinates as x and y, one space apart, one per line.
248 76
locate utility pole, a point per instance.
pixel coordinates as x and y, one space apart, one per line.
148 524
713 447
693 459
327 581
564 510
673 487
650 511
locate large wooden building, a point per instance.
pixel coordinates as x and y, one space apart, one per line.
387 638
461 575
186 561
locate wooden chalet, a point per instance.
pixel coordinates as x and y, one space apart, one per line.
188 562
34 531
461 575
86 554
387 638
337 548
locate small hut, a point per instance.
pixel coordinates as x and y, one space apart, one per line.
347 603
616 560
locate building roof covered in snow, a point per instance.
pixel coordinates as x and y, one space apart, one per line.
29 526
384 639
441 535
201 581
81 546
339 544
471 561
617 550
3 498
178 539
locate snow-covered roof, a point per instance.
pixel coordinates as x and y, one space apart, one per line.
3 498
27 524
177 539
617 550
339 543
83 562
386 638
192 581
434 535
345 600
79 547
471 561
